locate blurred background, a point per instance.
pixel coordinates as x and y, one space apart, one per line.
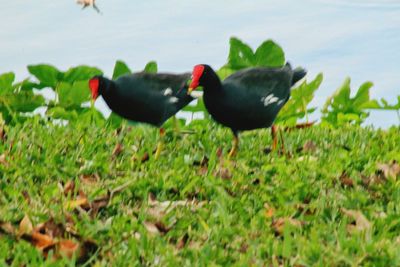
360 39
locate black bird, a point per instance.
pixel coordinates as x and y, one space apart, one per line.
248 99
144 97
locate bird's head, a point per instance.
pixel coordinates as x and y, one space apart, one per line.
95 84
199 76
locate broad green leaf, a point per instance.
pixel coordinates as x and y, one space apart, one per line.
6 81
240 55
362 95
23 101
341 109
72 96
47 75
269 54
151 67
120 69
340 97
297 106
371 104
80 73
27 85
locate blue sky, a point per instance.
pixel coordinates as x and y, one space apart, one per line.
360 39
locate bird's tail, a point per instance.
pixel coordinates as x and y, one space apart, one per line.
298 74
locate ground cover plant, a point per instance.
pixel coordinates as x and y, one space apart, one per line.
89 191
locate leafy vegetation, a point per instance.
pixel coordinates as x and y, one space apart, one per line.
341 109
72 93
90 191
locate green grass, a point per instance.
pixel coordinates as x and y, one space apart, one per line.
243 200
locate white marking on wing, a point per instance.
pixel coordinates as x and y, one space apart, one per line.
268 100
168 91
280 102
173 99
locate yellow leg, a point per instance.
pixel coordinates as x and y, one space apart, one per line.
235 146
160 144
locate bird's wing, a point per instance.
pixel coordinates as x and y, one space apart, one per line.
261 81
257 92
163 83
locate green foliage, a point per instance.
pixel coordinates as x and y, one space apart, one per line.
71 96
151 67
120 69
47 75
14 101
80 73
297 106
386 106
268 54
71 89
341 108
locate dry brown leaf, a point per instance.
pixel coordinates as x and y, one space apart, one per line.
182 241
243 247
72 204
361 223
346 180
67 248
7 228
224 173
151 227
99 203
41 241
162 228
309 146
51 228
117 150
219 153
269 210
26 196
69 188
90 179
391 170
3 160
278 225
3 135
145 157
25 226
203 170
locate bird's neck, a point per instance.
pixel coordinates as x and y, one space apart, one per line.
212 83
108 88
